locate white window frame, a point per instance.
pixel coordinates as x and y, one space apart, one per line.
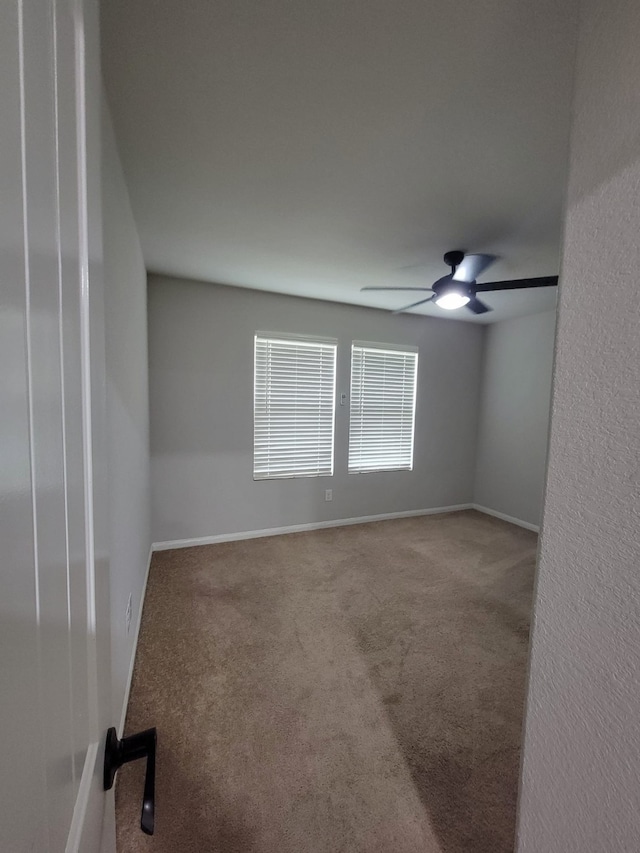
265 470
356 465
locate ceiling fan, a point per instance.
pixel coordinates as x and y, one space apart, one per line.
459 287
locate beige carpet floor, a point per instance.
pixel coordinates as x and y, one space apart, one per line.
351 690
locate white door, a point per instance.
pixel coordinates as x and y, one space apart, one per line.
54 608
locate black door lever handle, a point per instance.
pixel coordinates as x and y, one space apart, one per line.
119 752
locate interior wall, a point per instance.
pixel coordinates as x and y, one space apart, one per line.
514 416
127 411
201 393
582 738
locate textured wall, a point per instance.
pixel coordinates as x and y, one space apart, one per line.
581 768
201 391
514 415
128 409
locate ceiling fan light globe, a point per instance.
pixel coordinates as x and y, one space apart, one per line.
452 300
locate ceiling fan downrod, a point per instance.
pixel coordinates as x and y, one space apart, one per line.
453 259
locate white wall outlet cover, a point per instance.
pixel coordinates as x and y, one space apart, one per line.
328 494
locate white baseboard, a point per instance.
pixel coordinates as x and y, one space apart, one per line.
300 528
494 512
134 648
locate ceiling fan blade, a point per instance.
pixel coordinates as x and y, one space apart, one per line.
413 305
518 284
394 288
472 266
413 266
478 307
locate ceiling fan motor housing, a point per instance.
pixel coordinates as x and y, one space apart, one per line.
448 283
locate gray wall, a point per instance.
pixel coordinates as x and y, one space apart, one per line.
201 390
514 416
581 765
128 409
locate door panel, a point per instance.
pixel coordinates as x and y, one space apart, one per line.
69 235
54 606
18 626
44 343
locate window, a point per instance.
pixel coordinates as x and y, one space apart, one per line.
383 406
293 407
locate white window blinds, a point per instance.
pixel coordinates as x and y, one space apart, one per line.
294 407
383 404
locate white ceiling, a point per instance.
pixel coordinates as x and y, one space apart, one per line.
316 146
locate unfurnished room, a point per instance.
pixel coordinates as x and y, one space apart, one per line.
320 454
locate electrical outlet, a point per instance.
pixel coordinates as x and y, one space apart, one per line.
328 494
128 614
